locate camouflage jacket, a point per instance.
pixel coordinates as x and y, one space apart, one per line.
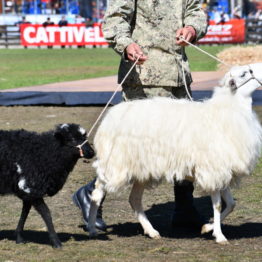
153 24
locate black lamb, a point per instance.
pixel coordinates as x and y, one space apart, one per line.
34 165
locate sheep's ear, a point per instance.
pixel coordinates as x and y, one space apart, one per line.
232 85
229 81
63 126
58 135
59 132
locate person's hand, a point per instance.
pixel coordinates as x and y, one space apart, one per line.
133 51
188 33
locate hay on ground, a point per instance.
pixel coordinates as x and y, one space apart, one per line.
240 56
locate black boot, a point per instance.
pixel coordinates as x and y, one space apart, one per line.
185 214
81 198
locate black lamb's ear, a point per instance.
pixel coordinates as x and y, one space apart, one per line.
58 134
59 131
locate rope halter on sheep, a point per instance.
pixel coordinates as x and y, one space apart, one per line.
251 78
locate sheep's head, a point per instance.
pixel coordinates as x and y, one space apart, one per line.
244 80
74 135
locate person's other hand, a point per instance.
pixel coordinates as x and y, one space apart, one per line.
133 51
188 33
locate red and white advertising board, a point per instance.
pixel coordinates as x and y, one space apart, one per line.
72 34
229 32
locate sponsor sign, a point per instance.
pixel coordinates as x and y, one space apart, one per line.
72 34
232 31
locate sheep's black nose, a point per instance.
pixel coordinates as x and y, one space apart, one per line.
88 151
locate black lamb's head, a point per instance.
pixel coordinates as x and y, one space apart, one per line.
74 136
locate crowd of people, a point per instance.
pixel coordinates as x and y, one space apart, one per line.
92 9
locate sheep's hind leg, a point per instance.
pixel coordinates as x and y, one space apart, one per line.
44 211
20 226
135 200
230 204
96 198
217 205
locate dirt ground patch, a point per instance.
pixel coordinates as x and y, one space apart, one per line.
124 240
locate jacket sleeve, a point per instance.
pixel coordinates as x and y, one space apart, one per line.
196 17
117 24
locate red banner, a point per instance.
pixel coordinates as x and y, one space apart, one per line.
78 34
232 31
72 34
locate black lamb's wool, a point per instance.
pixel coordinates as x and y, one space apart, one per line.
34 165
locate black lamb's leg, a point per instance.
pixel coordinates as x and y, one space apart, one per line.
44 211
20 226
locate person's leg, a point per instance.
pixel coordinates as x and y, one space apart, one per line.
82 196
81 199
185 214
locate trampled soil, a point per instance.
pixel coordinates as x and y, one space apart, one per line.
124 240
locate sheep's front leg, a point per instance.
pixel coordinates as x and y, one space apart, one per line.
217 206
44 211
135 200
96 198
20 227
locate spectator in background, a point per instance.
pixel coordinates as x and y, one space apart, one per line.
89 22
48 22
79 19
23 21
61 23
57 8
258 14
237 12
221 17
86 8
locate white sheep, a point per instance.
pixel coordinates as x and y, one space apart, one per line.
213 143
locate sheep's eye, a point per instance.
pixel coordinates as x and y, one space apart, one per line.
243 75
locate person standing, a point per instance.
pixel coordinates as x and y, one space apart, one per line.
150 31
47 23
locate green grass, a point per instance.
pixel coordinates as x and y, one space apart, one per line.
202 62
29 67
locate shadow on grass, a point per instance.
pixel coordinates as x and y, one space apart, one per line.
40 237
161 218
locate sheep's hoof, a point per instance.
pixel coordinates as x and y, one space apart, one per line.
222 240
157 237
93 234
20 241
225 242
154 234
207 228
56 243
